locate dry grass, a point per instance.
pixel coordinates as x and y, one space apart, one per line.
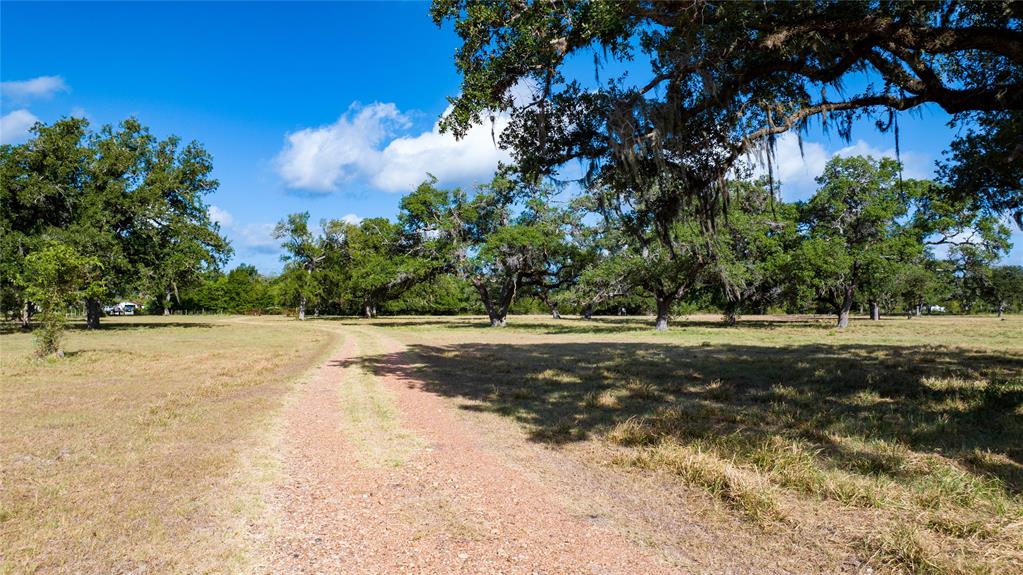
900 441
898 444
743 489
370 419
147 447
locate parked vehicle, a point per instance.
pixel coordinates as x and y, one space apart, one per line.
936 309
125 308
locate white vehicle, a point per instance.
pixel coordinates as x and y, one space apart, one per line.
125 308
936 309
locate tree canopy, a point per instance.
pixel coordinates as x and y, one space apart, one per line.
120 195
724 79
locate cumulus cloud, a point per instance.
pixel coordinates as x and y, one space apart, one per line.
797 171
914 165
406 161
351 219
792 166
319 159
364 143
14 126
36 88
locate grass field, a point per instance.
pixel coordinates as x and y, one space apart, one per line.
909 433
900 441
145 448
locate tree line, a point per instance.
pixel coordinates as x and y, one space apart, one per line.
668 213
864 241
90 216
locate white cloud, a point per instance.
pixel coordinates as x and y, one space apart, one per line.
257 237
797 171
41 87
793 167
351 219
407 160
222 217
249 238
14 126
914 165
320 159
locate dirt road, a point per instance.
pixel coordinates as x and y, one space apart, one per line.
381 476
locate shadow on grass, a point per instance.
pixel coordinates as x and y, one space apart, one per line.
564 326
581 326
934 400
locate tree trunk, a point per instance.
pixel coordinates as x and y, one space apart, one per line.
1001 309
732 312
663 312
843 312
26 315
554 311
301 309
588 312
166 302
92 313
498 314
917 310
875 311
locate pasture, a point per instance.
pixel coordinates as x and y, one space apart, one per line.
780 444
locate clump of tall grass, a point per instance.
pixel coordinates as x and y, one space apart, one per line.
642 390
948 485
901 548
905 549
796 466
632 432
958 527
606 399
741 489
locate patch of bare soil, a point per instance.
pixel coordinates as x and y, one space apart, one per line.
451 506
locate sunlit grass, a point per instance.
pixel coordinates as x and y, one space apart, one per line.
146 449
370 417
913 427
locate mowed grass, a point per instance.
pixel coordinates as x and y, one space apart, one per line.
146 448
903 438
369 415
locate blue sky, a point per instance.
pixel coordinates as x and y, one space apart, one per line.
322 107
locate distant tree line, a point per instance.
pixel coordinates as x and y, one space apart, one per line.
88 217
668 215
865 241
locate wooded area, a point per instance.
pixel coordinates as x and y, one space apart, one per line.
678 206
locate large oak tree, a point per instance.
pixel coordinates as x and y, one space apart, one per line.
132 201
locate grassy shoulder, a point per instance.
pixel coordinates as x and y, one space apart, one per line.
147 446
898 442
